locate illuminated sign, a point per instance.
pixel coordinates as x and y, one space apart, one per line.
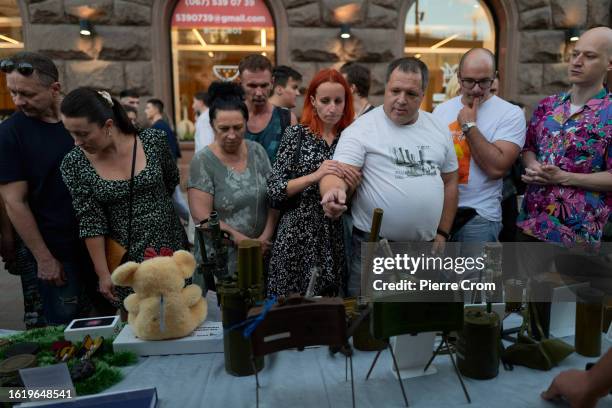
222 14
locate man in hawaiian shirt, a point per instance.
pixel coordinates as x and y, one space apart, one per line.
568 153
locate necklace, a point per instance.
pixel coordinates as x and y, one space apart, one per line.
235 165
234 161
365 107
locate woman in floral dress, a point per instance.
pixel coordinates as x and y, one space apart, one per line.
305 238
97 173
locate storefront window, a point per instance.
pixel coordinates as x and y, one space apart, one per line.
439 32
11 42
209 38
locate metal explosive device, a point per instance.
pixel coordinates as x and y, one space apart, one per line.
236 294
214 255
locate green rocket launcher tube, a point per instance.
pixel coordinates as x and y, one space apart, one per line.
236 300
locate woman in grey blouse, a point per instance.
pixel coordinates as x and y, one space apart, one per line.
229 175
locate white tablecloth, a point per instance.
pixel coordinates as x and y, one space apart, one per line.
313 378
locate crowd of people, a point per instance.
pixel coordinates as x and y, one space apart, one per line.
78 174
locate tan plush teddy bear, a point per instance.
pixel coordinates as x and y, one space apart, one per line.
159 281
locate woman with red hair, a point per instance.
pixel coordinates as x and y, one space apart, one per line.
307 241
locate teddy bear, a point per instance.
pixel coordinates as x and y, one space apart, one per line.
160 281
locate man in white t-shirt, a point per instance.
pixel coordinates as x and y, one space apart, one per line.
408 165
488 134
203 130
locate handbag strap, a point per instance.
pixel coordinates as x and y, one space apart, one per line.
131 197
297 154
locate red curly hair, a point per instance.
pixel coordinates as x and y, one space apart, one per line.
309 116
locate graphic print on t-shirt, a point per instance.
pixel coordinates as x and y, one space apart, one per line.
413 163
463 151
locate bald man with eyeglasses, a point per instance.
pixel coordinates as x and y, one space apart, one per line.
488 133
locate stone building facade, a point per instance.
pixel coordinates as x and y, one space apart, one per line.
131 46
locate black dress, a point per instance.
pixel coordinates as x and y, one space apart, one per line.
305 237
102 205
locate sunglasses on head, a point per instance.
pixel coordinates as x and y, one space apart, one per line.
24 68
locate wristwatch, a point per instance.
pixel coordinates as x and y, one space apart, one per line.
444 234
467 126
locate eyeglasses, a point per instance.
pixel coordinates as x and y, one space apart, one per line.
469 83
24 68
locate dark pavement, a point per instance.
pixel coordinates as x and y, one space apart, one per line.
11 301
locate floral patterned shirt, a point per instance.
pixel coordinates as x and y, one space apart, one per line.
578 143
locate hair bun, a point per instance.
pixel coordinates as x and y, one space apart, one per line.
224 90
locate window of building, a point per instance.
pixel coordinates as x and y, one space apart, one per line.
439 32
11 42
209 38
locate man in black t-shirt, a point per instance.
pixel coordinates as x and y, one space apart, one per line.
33 142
